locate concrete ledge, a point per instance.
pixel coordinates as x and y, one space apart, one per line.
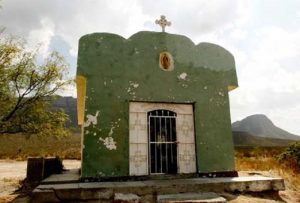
208 197
106 190
67 176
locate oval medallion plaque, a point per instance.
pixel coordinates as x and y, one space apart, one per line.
166 61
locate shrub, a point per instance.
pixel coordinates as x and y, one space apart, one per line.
291 156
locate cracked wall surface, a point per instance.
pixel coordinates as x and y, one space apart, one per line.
112 71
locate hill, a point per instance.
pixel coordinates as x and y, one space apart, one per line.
244 139
259 130
69 105
254 130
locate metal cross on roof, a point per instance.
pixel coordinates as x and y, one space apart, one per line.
163 22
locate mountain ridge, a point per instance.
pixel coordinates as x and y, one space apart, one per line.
254 130
259 130
261 126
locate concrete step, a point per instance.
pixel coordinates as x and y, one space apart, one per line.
207 197
67 176
148 190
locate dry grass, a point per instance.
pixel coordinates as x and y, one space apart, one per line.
265 159
18 147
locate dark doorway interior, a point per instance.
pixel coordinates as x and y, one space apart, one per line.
162 142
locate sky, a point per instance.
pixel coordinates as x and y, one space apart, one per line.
263 36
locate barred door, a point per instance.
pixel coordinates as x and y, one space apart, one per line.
162 142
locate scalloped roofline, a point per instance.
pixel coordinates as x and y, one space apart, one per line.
135 35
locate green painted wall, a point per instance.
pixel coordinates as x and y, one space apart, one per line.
119 70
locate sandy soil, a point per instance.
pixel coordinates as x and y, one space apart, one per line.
12 172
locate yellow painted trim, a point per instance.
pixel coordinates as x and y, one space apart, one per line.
81 93
231 87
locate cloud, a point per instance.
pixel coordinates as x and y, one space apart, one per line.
41 36
72 20
193 17
239 34
279 42
268 84
266 55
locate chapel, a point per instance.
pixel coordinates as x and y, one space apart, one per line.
154 104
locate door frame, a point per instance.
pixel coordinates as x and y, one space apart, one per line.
139 143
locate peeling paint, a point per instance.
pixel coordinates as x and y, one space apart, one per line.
182 76
184 85
109 143
136 51
99 40
111 131
134 84
91 119
101 173
189 83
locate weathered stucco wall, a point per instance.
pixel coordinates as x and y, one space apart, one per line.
112 71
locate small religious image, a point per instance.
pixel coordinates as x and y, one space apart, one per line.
166 61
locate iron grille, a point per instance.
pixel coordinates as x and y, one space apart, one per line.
162 142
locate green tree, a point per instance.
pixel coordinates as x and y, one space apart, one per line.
291 156
27 90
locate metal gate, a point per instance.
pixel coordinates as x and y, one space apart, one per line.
162 142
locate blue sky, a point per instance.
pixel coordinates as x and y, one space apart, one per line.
263 35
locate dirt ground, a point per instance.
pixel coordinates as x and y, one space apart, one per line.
12 172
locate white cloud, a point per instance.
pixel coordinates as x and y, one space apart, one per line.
277 43
71 21
267 55
68 90
41 37
286 118
239 34
245 11
267 84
